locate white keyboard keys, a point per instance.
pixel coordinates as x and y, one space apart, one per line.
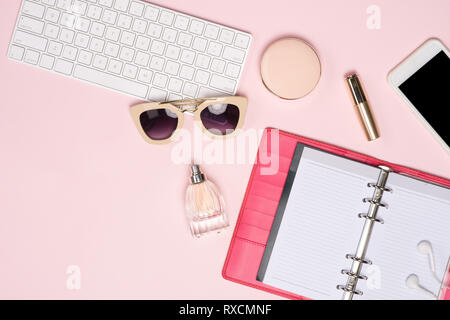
30 24
222 83
47 61
31 57
63 66
33 9
16 52
130 46
111 81
30 40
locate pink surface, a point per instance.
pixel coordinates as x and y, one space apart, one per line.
78 185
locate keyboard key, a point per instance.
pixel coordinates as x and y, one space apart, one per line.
30 24
112 49
202 77
160 80
16 52
136 9
67 20
209 93
63 66
157 95
184 39
157 47
33 9
52 15
151 13
100 62
197 27
112 34
154 30
175 85
174 97
51 31
49 2
79 7
199 44
222 83
69 52
105 3
166 18
85 57
97 29
187 56
31 57
181 22
66 35
142 59
82 40
139 26
94 12
203 61
242 41
232 70
111 81
173 52
82 24
109 16
227 36
47 61
233 54
124 21
172 68
122 5
97 45
212 32
187 72
64 4
169 35
215 49
190 89
157 63
218 65
55 48
115 66
142 43
127 38
30 40
145 75
130 71
127 54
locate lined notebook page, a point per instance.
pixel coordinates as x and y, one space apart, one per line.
417 211
319 225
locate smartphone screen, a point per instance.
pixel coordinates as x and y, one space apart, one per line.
428 89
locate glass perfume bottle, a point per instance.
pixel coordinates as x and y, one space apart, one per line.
205 209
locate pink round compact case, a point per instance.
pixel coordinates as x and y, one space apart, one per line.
290 68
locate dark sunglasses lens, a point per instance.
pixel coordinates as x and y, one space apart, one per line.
220 119
158 124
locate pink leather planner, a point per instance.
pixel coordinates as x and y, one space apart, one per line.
262 198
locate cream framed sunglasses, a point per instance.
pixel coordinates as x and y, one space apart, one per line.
219 117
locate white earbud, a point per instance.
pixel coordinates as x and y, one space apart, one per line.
425 248
412 282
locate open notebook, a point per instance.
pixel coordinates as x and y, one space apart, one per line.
316 225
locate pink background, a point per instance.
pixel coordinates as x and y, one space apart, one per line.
79 186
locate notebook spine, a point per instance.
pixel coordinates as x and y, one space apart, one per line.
359 258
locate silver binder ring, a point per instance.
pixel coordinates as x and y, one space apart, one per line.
344 288
355 258
374 185
365 216
377 203
352 274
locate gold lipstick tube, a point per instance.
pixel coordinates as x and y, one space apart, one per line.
362 106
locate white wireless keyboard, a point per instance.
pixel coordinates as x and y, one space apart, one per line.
133 47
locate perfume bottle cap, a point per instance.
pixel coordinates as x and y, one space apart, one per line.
197 176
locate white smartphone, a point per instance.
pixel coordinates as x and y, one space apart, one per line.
423 81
